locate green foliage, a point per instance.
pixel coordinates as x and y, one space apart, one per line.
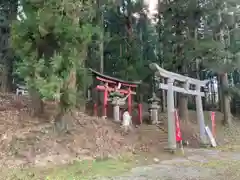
56 39
52 42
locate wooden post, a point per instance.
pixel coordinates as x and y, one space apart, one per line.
140 109
200 115
140 113
171 120
105 100
95 98
129 101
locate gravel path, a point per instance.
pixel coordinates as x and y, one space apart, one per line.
198 164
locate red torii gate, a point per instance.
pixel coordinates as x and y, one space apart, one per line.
110 84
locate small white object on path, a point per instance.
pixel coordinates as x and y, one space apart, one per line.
127 119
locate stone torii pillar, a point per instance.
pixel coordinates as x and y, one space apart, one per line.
200 115
171 77
172 145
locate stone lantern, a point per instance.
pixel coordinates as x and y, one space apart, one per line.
117 102
153 109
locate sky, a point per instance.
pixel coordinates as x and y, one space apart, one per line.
152 5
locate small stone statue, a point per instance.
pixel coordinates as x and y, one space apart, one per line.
127 122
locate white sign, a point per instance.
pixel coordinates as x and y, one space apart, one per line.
210 136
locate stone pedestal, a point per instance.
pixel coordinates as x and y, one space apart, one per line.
153 109
117 102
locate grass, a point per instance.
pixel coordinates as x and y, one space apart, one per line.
78 170
83 170
88 170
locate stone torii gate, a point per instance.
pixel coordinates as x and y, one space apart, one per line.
171 77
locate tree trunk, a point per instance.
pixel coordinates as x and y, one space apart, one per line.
100 21
101 46
5 80
221 77
183 98
10 9
182 68
7 69
220 95
37 103
63 120
227 120
164 98
183 105
67 100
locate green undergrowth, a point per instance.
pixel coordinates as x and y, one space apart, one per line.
77 170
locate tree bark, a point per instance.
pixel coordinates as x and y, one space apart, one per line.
101 46
36 103
182 68
226 99
183 105
164 98
100 19
6 81
10 9
183 102
68 99
220 95
63 117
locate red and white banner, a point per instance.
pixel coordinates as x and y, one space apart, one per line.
213 123
178 130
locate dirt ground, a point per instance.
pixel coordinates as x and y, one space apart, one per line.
197 164
27 141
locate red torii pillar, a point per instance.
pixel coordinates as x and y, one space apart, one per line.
106 88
